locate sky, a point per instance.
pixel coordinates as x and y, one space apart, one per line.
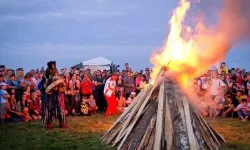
33 32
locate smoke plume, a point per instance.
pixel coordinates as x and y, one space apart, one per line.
232 27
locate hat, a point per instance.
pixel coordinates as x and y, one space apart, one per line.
3 84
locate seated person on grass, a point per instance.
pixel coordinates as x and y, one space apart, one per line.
228 107
85 107
12 113
131 98
243 110
92 104
217 106
24 107
121 102
34 107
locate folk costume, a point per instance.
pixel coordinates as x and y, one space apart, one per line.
109 92
53 90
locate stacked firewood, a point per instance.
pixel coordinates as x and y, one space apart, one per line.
161 118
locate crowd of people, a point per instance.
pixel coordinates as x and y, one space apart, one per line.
222 92
85 92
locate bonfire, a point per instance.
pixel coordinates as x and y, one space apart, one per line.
163 116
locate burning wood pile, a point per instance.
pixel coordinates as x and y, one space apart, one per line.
161 118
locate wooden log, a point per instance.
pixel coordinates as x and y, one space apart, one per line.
191 136
205 134
136 117
209 130
148 132
138 114
218 135
133 112
138 132
159 120
200 141
180 136
115 130
150 143
113 134
127 111
169 132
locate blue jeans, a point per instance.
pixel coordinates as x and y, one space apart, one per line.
241 114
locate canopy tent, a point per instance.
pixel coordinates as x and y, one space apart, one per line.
98 63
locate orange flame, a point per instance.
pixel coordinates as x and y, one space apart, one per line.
192 56
177 50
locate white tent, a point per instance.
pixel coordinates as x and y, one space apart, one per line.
98 63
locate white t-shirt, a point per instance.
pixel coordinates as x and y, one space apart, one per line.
110 86
244 109
216 84
106 85
3 100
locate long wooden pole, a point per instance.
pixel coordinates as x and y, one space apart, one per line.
159 120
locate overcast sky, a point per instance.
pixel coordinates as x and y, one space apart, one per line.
33 32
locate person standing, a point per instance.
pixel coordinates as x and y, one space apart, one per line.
217 86
109 90
98 90
129 84
4 96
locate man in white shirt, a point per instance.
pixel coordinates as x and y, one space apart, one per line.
109 92
36 80
217 86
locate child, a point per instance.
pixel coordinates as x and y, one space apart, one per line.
84 107
4 96
92 104
121 102
34 107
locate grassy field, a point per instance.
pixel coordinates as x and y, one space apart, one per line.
84 133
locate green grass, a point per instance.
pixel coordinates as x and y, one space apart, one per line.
84 134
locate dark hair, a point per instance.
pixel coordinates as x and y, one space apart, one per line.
239 91
243 100
2 66
12 75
